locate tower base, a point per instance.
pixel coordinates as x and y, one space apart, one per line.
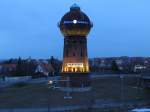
78 82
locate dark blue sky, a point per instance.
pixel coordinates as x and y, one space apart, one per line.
29 27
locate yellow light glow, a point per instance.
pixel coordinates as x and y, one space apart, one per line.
74 64
50 82
75 69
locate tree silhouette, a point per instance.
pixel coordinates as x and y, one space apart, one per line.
114 66
19 71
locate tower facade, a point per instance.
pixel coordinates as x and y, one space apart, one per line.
75 26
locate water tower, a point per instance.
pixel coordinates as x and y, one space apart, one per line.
75 26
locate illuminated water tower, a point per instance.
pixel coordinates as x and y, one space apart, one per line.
75 26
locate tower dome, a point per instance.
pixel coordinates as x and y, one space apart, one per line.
75 23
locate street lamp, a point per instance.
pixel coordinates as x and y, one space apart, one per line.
53 83
50 82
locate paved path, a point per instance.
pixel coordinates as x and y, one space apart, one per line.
13 80
100 104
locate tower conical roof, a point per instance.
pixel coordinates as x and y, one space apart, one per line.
74 7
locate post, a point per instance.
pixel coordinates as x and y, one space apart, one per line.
122 89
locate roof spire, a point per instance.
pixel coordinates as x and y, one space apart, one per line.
74 7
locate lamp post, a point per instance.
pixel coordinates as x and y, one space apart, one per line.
122 89
68 96
50 83
138 86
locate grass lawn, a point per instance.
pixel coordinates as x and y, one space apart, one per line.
103 89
